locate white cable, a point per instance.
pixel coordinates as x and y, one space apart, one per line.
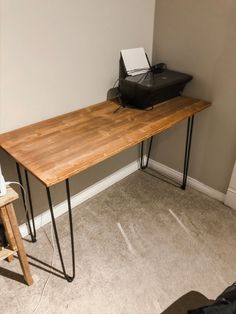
24 200
52 244
9 183
46 283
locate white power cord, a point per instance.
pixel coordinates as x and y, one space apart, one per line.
26 207
52 244
46 283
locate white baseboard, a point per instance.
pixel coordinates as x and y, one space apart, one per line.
176 175
105 183
230 199
79 198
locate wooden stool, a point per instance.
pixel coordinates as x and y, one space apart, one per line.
15 244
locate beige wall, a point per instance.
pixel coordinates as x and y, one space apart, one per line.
60 55
199 37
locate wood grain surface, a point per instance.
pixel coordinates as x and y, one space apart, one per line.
8 218
56 149
19 244
8 229
5 253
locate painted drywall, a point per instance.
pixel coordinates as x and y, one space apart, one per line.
230 198
58 55
233 178
199 37
61 55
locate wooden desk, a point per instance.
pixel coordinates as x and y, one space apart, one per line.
59 148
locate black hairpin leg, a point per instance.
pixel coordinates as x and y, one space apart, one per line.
67 277
30 204
187 151
31 232
142 165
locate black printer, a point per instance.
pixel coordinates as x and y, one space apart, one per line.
145 90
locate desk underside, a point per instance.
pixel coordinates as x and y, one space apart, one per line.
58 148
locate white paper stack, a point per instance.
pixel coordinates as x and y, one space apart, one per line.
135 61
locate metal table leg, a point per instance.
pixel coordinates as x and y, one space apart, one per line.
67 277
142 165
187 151
31 232
186 157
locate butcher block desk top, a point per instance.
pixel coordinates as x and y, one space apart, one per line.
56 149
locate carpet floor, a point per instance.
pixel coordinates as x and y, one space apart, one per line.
140 245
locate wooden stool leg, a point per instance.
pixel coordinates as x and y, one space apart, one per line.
8 232
21 250
10 258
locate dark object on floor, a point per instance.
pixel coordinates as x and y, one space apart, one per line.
3 241
191 300
224 304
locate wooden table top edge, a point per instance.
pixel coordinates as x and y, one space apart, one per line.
49 183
